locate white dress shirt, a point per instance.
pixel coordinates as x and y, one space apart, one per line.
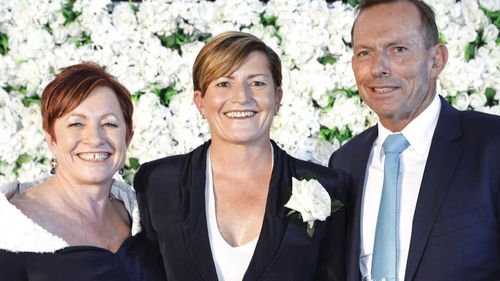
231 263
419 134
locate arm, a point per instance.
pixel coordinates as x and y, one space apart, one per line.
141 185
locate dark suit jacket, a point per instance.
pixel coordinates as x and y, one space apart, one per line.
456 226
171 195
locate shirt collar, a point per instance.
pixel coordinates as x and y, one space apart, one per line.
418 132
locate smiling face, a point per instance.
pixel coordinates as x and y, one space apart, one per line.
395 72
240 106
90 141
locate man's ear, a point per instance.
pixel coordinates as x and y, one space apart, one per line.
439 59
198 101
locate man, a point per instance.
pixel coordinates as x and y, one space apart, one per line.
437 218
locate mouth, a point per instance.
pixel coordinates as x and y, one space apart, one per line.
240 114
94 156
383 90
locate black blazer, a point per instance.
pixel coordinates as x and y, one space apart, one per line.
456 226
171 195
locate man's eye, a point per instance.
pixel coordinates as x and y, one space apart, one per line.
400 49
362 53
258 83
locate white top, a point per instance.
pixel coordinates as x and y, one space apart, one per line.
20 234
231 263
419 133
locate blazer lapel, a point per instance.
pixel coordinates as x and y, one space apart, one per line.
194 220
441 163
358 164
275 223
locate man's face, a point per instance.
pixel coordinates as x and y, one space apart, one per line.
392 65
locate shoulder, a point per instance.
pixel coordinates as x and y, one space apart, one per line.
474 121
334 180
21 234
362 139
167 170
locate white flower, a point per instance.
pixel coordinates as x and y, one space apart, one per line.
463 101
490 5
123 17
490 33
473 14
311 200
477 100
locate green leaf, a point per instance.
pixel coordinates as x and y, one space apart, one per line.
175 40
4 44
85 39
269 20
27 101
490 94
133 163
310 176
23 158
469 52
291 212
442 39
68 13
451 99
330 134
165 94
19 89
336 205
353 3
328 59
494 16
310 229
134 7
48 28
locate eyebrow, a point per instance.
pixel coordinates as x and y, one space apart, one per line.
84 116
249 76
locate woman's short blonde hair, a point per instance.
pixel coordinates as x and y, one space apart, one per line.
224 53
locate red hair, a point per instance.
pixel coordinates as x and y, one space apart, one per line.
73 85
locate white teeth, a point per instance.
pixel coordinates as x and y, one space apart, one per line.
94 156
240 114
383 90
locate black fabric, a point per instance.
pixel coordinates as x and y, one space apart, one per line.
171 196
136 260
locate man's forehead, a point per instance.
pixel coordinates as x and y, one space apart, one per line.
390 19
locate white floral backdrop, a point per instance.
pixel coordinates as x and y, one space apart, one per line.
150 47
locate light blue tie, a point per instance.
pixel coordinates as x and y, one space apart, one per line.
384 263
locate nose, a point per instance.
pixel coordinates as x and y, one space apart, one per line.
94 135
242 93
380 66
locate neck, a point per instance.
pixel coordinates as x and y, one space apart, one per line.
90 200
241 158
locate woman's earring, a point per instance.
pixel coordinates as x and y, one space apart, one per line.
121 171
53 166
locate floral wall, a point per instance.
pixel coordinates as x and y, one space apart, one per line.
150 47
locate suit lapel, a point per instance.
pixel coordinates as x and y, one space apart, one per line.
358 164
275 222
442 160
194 214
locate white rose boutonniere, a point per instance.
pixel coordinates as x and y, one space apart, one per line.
311 200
